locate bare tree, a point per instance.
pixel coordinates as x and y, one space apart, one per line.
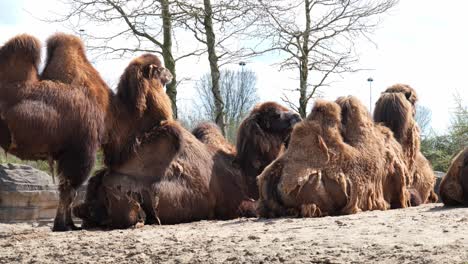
239 93
459 123
317 37
423 118
218 25
117 28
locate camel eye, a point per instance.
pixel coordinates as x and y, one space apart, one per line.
408 95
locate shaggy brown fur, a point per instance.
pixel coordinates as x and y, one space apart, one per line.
140 104
324 173
44 119
158 171
210 134
454 186
359 131
261 137
67 63
396 109
187 181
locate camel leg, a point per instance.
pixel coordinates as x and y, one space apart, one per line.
68 214
154 207
63 220
74 166
310 210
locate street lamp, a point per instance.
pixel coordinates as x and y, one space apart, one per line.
242 64
370 80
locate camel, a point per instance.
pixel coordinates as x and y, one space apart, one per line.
453 188
68 112
261 137
338 162
53 116
157 171
396 109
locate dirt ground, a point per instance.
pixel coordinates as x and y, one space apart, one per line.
425 234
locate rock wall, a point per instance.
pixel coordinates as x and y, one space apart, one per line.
26 194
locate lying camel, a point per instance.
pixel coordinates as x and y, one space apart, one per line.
396 109
262 136
337 162
453 188
159 173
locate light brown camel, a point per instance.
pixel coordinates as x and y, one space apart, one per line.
396 109
338 162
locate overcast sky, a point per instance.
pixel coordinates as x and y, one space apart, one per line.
423 43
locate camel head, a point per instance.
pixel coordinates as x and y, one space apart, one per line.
141 86
274 118
406 90
396 112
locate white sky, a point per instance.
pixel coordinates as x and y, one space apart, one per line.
423 43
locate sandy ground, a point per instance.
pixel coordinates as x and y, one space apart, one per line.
425 234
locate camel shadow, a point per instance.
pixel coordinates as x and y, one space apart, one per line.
441 208
266 221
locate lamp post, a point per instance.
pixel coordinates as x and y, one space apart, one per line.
370 80
242 64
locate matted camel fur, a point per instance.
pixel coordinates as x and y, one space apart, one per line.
453 188
396 109
139 104
323 173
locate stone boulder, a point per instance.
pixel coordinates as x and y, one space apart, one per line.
26 194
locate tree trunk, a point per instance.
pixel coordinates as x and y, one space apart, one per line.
169 62
303 73
213 59
304 64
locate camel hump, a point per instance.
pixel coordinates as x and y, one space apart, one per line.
205 130
62 39
66 59
210 134
20 58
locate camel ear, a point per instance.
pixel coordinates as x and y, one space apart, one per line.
149 71
411 97
408 95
